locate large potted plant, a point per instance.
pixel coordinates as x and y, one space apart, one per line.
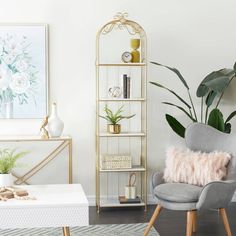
8 159
113 119
211 91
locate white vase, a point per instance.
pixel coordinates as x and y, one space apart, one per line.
6 180
9 110
55 124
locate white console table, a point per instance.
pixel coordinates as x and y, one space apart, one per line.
64 142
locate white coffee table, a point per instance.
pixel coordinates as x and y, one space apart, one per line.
55 206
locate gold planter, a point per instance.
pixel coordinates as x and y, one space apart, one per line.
114 129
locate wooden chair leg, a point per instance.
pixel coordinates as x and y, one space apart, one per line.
225 221
152 220
189 226
194 221
66 231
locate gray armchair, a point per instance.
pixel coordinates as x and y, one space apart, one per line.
191 198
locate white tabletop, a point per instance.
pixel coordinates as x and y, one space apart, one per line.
55 206
50 195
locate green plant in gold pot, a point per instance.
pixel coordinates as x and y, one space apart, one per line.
8 159
114 118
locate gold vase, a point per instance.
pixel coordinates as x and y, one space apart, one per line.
135 44
114 129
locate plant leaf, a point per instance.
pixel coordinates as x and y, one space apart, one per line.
230 116
175 71
171 91
182 109
175 125
203 88
210 98
216 120
218 84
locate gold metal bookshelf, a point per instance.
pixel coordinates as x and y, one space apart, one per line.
120 23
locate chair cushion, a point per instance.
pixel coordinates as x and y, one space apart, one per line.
178 192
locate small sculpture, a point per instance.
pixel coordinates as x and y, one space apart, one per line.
43 131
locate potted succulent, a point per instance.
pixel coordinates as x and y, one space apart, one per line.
113 118
8 158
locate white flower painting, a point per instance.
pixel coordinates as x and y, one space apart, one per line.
23 71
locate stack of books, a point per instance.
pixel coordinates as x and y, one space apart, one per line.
124 200
126 86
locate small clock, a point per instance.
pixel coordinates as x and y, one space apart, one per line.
126 57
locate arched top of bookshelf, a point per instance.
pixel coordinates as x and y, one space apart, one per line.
121 23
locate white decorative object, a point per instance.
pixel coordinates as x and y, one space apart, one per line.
55 124
6 180
130 189
9 110
60 205
114 92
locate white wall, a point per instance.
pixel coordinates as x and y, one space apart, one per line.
194 36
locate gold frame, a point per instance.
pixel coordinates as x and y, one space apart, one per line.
121 23
65 142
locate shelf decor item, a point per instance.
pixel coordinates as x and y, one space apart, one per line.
130 189
23 71
55 124
114 92
43 130
126 86
113 118
115 161
111 70
126 57
135 44
8 159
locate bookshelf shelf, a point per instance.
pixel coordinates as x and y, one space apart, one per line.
113 202
135 168
122 64
123 134
131 81
122 100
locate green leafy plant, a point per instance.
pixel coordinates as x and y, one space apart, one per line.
114 117
211 88
8 158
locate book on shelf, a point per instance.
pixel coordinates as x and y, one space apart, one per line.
124 200
126 86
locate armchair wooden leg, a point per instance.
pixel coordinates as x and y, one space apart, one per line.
152 220
225 221
189 227
66 231
194 221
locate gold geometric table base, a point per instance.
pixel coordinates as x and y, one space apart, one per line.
66 142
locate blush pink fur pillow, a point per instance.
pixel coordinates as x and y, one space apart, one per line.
197 168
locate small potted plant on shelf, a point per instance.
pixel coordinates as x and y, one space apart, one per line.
8 158
113 118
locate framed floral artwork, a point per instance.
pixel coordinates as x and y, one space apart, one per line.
23 71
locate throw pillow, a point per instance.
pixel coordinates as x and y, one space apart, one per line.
197 168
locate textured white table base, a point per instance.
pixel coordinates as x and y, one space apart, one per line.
56 206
